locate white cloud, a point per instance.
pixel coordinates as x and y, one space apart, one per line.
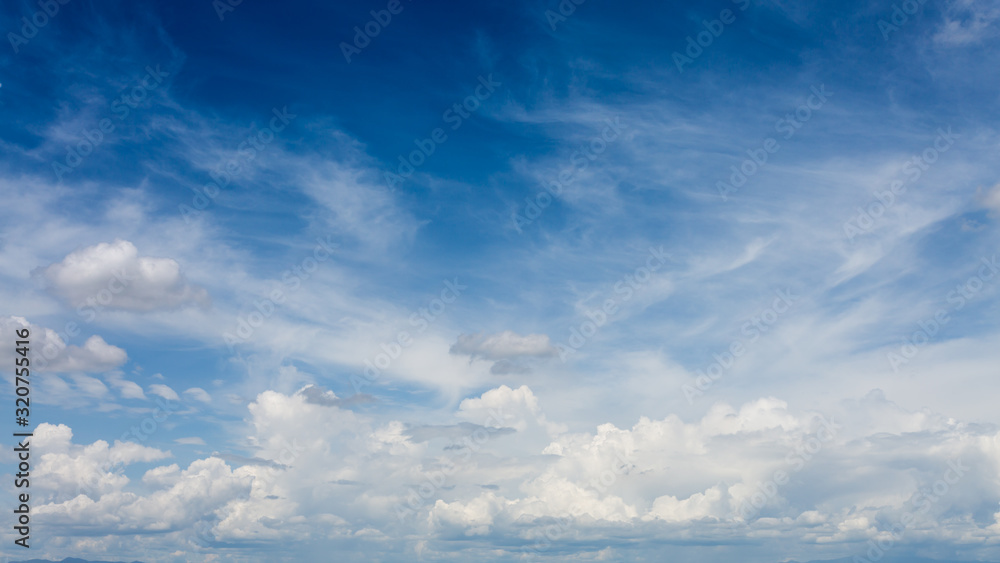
320 469
503 407
66 470
128 389
505 345
708 504
991 198
114 276
50 353
164 391
94 356
193 493
968 22
89 386
687 474
507 350
190 441
198 394
357 201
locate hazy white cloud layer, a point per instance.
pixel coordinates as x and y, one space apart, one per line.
557 281
830 480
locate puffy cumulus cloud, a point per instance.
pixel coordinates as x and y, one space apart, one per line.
506 349
114 276
86 492
763 414
753 471
316 467
187 496
756 472
52 354
472 518
709 504
67 471
279 420
317 470
503 407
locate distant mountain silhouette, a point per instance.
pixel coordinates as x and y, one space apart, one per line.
68 560
891 559
886 559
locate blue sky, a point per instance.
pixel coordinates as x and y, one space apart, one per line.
571 282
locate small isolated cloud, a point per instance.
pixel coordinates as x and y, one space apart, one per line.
319 396
127 389
190 441
114 276
52 354
505 345
507 349
198 394
164 391
89 386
